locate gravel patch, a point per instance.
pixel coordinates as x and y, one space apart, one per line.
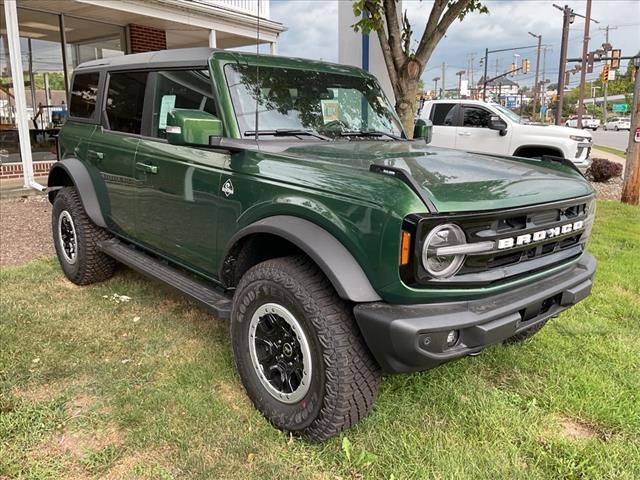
25 230
611 190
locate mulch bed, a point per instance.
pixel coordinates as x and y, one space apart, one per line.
25 230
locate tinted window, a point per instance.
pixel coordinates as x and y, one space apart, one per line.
476 117
181 89
125 98
443 114
83 95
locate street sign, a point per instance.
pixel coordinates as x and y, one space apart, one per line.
511 102
612 75
620 107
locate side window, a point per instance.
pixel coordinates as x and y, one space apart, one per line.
181 89
476 117
443 114
83 95
125 99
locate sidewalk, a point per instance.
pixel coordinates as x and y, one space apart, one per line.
13 188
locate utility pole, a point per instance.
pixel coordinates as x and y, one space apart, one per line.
604 80
497 65
631 186
543 86
459 74
583 69
568 17
444 92
484 79
535 85
435 85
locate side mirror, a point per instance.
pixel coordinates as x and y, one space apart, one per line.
192 127
497 123
423 129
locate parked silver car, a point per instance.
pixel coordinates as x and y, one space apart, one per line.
618 123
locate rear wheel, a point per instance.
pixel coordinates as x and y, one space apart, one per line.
299 353
76 239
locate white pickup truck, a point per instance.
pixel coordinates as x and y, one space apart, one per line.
477 126
587 122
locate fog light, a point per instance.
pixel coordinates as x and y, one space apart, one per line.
452 338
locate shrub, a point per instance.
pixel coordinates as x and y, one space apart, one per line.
601 169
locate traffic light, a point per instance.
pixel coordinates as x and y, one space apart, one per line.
525 65
590 58
615 59
605 72
513 69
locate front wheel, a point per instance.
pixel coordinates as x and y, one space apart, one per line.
298 350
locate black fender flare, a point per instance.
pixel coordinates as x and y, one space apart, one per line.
79 175
331 256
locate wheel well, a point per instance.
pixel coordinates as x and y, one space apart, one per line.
534 152
251 250
58 178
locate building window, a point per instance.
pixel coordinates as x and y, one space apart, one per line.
181 89
125 100
83 95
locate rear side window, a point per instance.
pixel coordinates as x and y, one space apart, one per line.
125 100
443 114
181 89
83 95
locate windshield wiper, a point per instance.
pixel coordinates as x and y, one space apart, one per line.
369 133
286 132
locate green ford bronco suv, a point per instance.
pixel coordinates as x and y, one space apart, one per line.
282 194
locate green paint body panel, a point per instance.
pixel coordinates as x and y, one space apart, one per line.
181 212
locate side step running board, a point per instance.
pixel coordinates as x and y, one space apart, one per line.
211 298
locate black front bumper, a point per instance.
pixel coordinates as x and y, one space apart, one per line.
407 338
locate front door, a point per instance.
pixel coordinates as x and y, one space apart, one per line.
177 203
113 147
474 135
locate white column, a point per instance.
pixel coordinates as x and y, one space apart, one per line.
15 57
274 48
212 39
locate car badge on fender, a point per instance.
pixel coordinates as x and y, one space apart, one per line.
227 188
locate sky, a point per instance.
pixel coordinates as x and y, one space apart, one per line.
313 33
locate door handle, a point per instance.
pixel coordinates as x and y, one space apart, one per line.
98 155
464 134
144 167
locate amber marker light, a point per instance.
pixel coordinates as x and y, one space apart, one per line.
405 243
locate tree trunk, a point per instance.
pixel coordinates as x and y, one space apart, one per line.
406 90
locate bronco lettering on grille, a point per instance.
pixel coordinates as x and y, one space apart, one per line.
540 235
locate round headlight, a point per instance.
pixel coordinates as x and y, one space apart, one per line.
443 266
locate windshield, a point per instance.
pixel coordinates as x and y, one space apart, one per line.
328 104
512 116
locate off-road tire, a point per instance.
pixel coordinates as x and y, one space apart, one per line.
345 377
528 333
91 264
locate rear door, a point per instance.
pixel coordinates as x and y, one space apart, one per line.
114 143
474 135
179 190
443 116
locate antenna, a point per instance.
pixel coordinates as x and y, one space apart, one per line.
257 72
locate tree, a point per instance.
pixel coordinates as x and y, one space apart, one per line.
404 63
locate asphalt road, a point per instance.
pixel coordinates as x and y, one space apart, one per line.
612 139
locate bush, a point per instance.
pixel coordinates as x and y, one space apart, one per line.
601 169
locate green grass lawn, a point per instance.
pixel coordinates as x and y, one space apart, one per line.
93 388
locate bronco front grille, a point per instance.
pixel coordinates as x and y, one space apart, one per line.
502 264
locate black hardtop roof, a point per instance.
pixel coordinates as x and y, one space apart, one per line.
199 56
